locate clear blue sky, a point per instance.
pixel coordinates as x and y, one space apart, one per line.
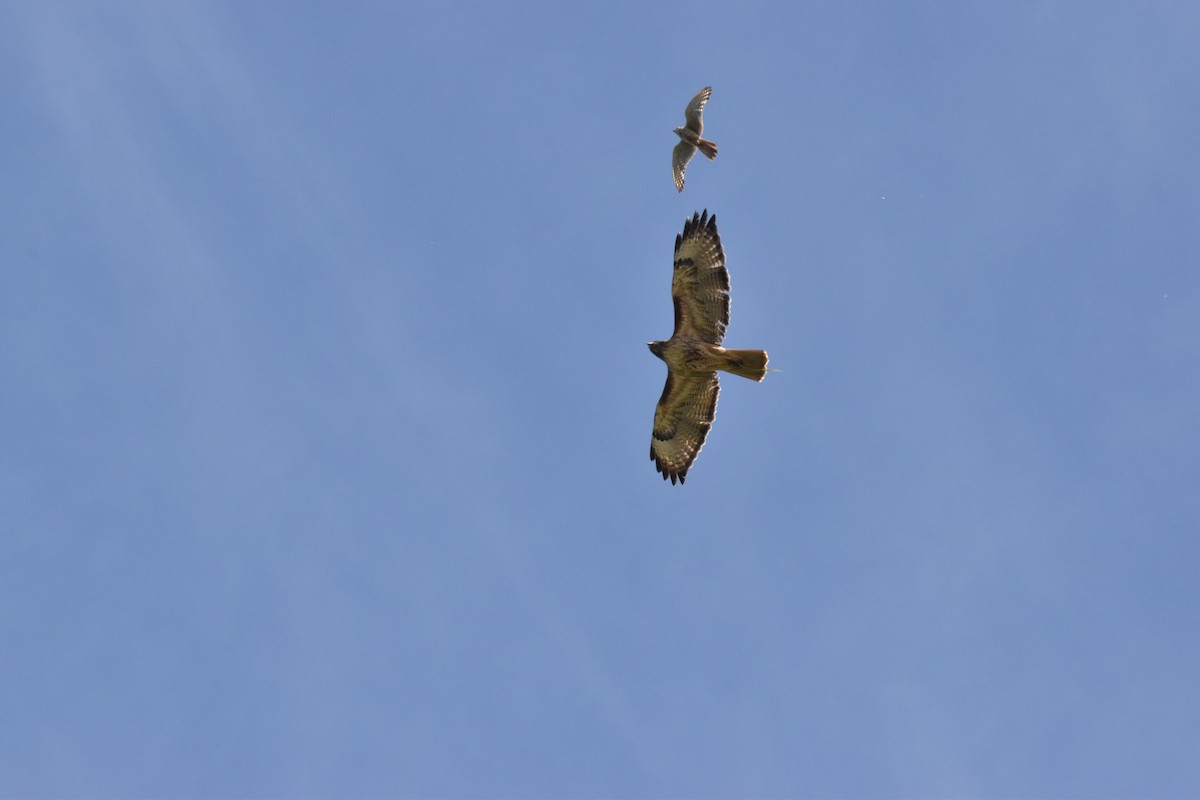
326 403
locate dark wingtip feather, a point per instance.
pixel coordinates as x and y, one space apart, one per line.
698 220
668 473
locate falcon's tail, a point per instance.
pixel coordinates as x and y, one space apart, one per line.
708 148
750 364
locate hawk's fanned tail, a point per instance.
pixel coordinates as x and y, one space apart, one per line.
750 364
708 148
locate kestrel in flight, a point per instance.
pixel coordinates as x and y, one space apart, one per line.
689 136
700 291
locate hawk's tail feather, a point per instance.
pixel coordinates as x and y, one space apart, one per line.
750 364
708 148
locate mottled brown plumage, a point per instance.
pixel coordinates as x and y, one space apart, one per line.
693 354
689 137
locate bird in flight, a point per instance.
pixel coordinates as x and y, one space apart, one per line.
693 354
689 136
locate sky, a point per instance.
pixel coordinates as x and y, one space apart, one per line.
326 402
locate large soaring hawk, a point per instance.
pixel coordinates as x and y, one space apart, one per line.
700 289
689 136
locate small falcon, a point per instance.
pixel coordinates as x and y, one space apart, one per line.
689 136
693 354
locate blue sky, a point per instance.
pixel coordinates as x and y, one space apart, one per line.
327 404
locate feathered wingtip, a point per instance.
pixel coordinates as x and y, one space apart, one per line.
666 471
697 222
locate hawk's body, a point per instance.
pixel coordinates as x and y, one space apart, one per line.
693 354
689 137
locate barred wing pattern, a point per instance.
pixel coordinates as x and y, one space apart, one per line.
682 420
680 157
694 113
700 285
700 292
689 137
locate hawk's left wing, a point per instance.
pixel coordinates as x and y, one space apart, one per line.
700 285
694 113
681 421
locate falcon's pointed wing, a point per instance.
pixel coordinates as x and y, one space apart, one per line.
681 421
700 285
694 113
680 157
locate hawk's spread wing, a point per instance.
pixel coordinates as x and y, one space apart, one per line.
680 157
700 285
681 421
694 113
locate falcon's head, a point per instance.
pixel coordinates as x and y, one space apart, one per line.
656 348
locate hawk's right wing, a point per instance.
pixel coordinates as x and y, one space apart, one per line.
680 157
681 421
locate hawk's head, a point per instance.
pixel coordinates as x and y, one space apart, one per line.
656 348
